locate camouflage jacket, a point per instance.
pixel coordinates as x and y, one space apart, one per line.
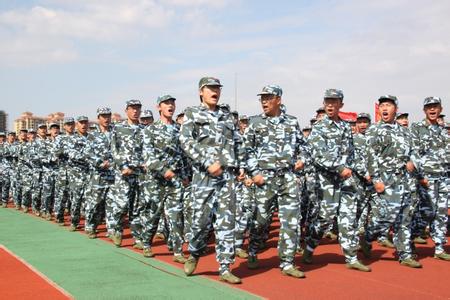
331 145
126 146
77 151
207 137
430 142
360 144
274 143
61 149
47 153
162 150
99 150
389 149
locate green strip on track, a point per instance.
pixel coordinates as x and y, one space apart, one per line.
94 269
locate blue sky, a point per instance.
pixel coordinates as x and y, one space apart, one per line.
74 56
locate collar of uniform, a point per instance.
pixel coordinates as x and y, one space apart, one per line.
282 115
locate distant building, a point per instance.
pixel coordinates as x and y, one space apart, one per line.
3 121
28 121
117 118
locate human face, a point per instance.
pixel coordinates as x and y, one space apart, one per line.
243 124
271 105
167 108
180 119
42 132
54 131
362 125
31 136
11 138
82 127
210 95
22 136
306 133
332 107
387 110
2 139
320 115
133 113
104 120
69 128
403 121
146 121
432 112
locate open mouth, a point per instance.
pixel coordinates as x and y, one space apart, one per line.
170 110
432 114
385 114
214 97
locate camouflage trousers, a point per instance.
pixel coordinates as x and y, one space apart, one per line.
6 184
27 186
37 189
97 193
213 197
309 202
48 189
121 200
62 192
433 210
187 212
337 201
392 208
159 196
245 209
285 190
78 180
363 193
16 186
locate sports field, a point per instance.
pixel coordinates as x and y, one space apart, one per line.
41 260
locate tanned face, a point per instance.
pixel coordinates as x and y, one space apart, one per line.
104 120
362 124
133 113
332 107
432 112
270 105
167 108
387 110
210 95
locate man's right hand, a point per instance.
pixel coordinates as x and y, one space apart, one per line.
127 172
258 180
215 169
379 187
346 173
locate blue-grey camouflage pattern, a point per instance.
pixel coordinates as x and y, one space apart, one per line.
46 153
273 145
126 150
7 171
430 143
389 149
36 162
26 169
207 137
332 150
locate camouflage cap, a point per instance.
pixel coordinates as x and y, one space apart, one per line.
243 117
53 125
69 120
133 102
432 100
11 133
208 81
333 94
103 111
23 130
31 130
390 98
320 110
82 119
441 116
307 128
164 98
401 114
42 125
271 89
363 116
2 133
147 114
181 114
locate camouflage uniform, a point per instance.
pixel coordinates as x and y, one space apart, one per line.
332 151
49 171
62 186
162 152
273 145
25 152
79 158
126 148
207 137
36 161
4 171
389 149
101 178
430 144
16 173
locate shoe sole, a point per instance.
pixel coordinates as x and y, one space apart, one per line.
358 269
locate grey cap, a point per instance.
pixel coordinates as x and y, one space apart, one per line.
42 125
69 120
307 128
103 111
2 133
180 114
31 130
432 100
23 130
390 98
320 110
243 117
133 102
401 114
363 116
208 81
146 114
82 118
271 89
11 133
53 125
333 94
441 116
164 98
